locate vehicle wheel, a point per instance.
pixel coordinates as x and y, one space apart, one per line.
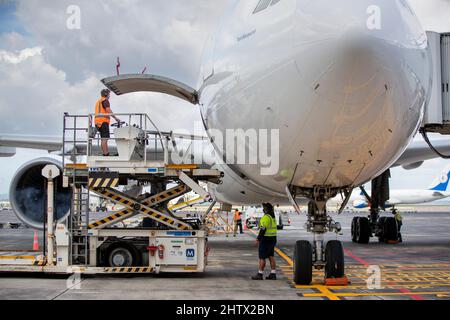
334 257
353 228
303 263
363 230
390 229
122 256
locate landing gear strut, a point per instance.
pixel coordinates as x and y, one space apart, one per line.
384 228
316 255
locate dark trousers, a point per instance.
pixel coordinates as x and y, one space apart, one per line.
238 224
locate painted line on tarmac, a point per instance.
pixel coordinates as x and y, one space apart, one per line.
324 291
356 258
365 263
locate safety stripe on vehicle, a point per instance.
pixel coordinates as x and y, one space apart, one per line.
151 201
142 208
129 270
103 182
118 215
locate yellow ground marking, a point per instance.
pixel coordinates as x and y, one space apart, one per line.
405 277
378 294
395 276
285 257
324 291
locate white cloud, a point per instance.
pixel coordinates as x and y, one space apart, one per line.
165 36
15 58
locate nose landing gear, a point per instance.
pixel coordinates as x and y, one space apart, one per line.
307 256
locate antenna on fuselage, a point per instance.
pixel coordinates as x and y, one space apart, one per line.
118 66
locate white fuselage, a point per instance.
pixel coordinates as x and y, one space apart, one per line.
346 97
402 197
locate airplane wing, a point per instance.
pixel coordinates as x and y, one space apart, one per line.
418 152
8 143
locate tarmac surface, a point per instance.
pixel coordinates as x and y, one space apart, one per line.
418 269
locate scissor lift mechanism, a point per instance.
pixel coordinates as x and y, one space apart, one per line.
102 176
172 244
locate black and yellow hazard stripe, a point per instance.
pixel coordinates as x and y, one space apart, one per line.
103 182
162 218
167 195
39 263
151 201
103 179
129 270
118 215
134 204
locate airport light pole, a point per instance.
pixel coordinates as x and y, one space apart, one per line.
50 172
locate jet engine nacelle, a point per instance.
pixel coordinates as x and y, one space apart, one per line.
28 194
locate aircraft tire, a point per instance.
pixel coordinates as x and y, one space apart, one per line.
303 263
334 257
390 229
363 230
353 228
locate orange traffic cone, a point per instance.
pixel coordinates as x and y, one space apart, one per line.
35 242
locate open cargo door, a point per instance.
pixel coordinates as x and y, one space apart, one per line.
129 83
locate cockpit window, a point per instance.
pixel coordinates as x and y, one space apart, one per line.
264 4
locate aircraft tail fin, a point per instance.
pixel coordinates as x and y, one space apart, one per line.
441 183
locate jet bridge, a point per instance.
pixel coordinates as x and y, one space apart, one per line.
437 116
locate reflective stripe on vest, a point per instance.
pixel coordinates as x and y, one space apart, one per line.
100 110
270 224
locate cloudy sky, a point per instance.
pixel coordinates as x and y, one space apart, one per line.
47 69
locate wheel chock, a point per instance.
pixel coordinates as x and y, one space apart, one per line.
337 281
393 242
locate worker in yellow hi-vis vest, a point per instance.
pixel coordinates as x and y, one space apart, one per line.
266 241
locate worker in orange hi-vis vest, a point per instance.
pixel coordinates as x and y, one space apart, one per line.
102 119
237 222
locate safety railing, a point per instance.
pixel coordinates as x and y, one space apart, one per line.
81 139
148 137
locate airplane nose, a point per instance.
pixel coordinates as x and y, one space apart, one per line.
355 50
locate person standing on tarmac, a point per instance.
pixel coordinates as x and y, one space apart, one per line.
237 222
266 241
399 219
